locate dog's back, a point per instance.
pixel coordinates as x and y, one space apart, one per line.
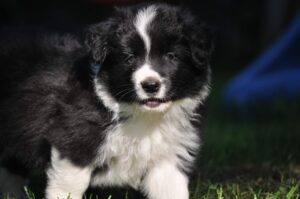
33 68
24 52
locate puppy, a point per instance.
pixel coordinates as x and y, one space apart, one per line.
119 109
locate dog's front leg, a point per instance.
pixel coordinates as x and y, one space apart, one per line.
166 181
66 179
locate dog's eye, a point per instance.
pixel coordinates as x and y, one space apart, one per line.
130 59
171 56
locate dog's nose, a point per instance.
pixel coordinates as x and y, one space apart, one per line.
151 85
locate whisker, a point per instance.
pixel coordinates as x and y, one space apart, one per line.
122 91
129 91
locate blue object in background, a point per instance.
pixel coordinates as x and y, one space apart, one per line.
276 74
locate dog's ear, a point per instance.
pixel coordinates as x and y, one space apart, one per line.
201 44
97 39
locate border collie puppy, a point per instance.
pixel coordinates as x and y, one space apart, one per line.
122 109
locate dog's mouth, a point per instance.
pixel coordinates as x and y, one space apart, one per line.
154 102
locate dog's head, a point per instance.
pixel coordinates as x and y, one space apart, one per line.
150 57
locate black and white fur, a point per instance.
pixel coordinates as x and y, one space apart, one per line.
84 114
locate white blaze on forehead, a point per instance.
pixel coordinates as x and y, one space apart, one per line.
143 19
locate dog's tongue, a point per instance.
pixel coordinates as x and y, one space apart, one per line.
152 103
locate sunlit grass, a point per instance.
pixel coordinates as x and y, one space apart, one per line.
236 191
205 190
241 188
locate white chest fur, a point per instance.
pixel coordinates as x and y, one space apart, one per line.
136 145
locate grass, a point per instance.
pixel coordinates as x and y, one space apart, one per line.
257 189
262 182
250 157
236 191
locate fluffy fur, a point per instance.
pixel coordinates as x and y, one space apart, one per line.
122 109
